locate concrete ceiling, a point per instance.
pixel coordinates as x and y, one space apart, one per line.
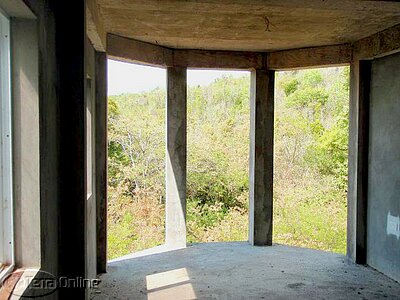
245 24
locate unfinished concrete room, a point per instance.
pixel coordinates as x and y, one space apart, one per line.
55 57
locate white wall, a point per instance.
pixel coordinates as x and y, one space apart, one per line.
25 98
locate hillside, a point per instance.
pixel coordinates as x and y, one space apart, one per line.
311 136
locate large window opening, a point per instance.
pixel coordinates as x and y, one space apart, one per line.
218 155
136 158
6 208
311 155
218 112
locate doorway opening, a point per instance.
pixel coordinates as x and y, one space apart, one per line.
136 158
311 158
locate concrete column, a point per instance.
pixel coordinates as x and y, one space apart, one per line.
360 76
261 157
101 159
62 91
70 44
175 208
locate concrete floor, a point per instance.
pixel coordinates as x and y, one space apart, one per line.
240 271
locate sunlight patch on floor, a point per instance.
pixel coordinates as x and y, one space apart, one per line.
170 284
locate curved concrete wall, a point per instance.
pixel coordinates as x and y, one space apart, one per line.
383 226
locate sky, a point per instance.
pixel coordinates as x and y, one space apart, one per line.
131 78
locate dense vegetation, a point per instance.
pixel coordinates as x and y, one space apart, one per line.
311 124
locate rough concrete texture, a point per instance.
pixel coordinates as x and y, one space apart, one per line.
91 254
26 166
261 157
175 171
383 230
353 179
246 25
240 271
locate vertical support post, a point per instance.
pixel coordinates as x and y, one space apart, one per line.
101 159
49 124
362 161
360 77
261 157
175 207
70 38
62 141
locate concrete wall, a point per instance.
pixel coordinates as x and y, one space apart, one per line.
352 164
383 228
24 49
62 93
91 236
25 84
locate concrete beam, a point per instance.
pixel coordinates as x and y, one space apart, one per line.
129 50
325 56
261 157
17 9
380 44
206 59
95 26
175 208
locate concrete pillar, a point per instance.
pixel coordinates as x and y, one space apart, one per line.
261 157
101 159
70 40
360 76
62 91
175 208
